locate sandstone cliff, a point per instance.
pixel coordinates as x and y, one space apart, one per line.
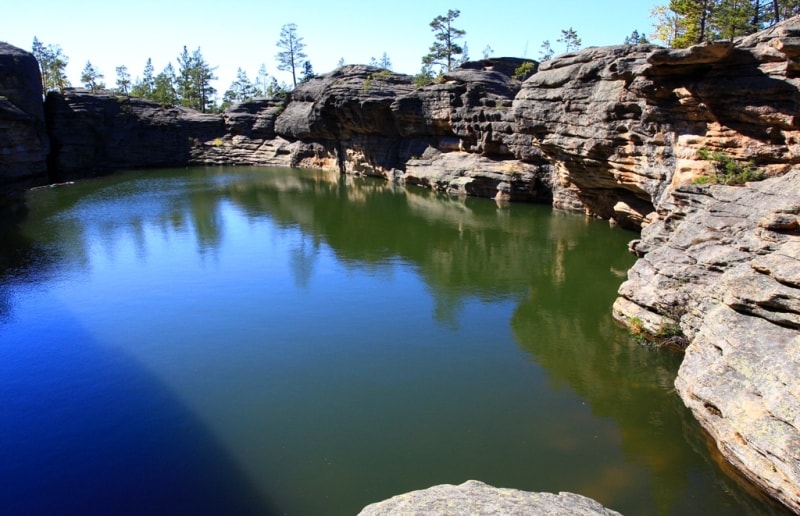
615 132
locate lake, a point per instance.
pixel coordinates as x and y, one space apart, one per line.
281 341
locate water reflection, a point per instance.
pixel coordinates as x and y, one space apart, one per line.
305 414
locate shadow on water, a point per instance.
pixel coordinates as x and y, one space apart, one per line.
86 430
89 432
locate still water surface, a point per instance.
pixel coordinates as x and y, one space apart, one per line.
275 341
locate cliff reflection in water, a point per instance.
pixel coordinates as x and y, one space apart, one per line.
554 275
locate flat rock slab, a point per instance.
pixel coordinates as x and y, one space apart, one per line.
476 498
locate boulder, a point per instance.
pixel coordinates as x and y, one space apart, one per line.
474 497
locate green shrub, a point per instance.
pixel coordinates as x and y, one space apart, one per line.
523 71
729 171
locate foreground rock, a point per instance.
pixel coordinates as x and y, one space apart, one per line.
722 265
476 498
23 136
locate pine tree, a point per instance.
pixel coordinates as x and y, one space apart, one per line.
145 87
164 90
636 38
123 80
92 78
546 52
193 82
262 82
241 90
52 66
445 49
570 39
385 62
682 23
307 72
291 53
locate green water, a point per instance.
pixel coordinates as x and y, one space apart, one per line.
275 341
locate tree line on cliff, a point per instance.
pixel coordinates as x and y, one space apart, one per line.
682 23
679 23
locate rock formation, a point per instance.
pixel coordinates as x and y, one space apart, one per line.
23 137
97 133
722 265
473 497
616 132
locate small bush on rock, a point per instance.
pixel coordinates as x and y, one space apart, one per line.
728 171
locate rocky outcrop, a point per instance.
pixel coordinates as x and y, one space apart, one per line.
23 137
474 497
586 115
722 266
98 133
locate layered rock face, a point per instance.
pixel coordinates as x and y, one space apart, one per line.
23 137
92 134
723 266
718 265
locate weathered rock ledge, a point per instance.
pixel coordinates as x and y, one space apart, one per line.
722 264
474 497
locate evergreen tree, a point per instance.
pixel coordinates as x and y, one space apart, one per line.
693 26
732 18
546 52
570 39
276 90
184 82
445 49
164 90
340 63
307 73
123 80
487 51
291 53
52 66
193 82
682 23
636 39
385 62
203 75
424 77
145 87
262 82
464 55
241 90
91 78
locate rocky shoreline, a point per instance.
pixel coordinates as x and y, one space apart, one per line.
618 132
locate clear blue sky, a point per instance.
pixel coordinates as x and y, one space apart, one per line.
243 34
